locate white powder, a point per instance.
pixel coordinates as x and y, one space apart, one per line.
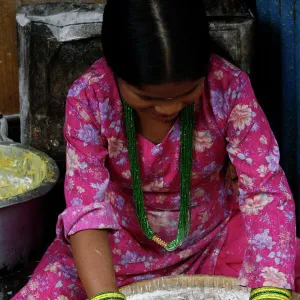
194 294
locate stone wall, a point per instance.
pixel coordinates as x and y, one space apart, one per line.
21 2
9 96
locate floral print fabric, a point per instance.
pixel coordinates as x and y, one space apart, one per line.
230 125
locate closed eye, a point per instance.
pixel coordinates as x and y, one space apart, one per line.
145 98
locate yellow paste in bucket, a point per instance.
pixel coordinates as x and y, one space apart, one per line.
20 171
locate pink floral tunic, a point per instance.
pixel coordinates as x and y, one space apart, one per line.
229 122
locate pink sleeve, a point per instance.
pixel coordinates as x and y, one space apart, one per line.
265 199
86 175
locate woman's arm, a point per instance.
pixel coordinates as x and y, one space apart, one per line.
265 199
93 259
88 217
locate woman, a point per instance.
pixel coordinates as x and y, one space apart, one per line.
150 130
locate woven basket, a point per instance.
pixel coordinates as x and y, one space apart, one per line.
182 281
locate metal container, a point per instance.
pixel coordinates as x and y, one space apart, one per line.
26 176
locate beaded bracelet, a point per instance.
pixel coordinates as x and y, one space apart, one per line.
270 293
109 296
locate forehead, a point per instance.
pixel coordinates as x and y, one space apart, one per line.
166 90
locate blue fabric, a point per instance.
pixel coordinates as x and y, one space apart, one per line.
278 79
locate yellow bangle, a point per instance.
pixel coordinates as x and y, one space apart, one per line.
270 293
270 297
109 296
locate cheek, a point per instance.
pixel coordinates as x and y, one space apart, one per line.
188 101
135 102
193 98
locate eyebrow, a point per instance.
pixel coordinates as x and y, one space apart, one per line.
157 98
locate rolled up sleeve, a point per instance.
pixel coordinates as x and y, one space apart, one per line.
86 178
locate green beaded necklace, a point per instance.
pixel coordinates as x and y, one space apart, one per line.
186 152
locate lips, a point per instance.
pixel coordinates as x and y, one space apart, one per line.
166 118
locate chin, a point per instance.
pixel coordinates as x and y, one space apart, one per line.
165 119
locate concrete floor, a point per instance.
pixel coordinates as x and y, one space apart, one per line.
10 284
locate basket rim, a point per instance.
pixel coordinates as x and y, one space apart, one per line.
181 281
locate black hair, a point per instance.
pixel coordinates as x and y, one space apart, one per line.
156 41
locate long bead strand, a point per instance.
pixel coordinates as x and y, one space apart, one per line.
186 152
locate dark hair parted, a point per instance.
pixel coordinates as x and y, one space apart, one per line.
156 41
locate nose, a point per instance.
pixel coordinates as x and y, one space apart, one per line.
169 109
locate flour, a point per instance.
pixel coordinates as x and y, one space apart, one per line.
194 294
20 171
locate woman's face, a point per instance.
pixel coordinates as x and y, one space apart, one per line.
161 102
